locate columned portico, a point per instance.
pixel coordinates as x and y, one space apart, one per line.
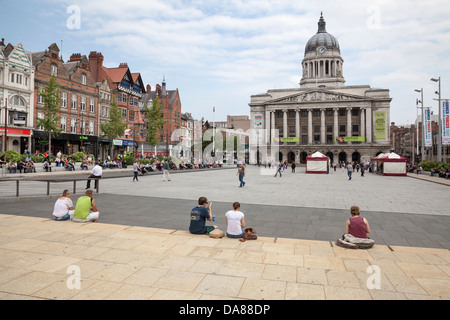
345 122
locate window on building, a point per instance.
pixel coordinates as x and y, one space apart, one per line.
316 113
83 78
73 125
63 124
304 114
329 113
342 112
355 112
17 101
342 128
40 99
317 138
292 129
329 128
355 128
54 70
304 139
124 113
40 116
83 104
329 138
317 129
280 115
91 105
291 114
91 126
63 99
74 101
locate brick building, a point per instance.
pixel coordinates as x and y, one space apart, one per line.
171 107
79 102
128 89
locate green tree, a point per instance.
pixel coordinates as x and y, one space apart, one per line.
51 99
155 120
115 126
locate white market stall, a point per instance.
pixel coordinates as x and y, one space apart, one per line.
317 163
391 164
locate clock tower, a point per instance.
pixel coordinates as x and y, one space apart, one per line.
322 64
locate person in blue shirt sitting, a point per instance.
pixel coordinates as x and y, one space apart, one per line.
199 215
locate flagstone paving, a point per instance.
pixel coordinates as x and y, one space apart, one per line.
38 258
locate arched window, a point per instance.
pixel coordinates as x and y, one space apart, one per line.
17 101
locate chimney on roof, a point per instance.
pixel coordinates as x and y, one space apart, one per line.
148 88
123 65
2 44
96 64
75 57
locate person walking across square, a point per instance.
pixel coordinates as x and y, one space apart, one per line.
135 170
166 173
241 173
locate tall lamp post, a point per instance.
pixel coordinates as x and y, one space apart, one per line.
423 124
439 154
5 139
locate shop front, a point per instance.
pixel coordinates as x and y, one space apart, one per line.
67 143
16 139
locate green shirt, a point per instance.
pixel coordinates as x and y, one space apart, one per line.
82 208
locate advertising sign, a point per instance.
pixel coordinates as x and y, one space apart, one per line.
427 128
445 123
380 125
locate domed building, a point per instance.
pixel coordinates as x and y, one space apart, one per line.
346 123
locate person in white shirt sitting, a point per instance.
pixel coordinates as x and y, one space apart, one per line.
96 173
63 209
235 222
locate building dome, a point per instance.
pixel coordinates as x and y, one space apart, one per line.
322 39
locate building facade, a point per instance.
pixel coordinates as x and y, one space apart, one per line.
346 123
128 89
16 97
171 108
78 103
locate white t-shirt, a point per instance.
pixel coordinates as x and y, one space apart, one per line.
234 222
97 171
62 207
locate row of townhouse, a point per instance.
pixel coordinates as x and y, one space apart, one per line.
87 88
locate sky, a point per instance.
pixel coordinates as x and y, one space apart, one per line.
219 53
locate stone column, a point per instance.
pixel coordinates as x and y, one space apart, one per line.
297 124
363 121
285 126
335 125
310 129
322 126
272 125
267 126
369 125
349 122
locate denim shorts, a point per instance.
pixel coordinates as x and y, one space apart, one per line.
64 217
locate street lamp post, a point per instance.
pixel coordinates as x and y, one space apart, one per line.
439 154
423 124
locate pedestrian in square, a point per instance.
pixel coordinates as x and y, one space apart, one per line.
166 168
241 173
349 171
135 170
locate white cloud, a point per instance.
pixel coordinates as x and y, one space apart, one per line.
236 48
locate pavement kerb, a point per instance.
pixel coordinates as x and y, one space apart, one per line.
128 262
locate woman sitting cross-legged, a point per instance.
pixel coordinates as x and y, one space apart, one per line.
63 209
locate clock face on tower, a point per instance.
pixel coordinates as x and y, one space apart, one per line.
321 50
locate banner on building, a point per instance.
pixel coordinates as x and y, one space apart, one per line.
428 135
445 122
350 139
380 125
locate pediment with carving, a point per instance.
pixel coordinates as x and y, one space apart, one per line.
319 96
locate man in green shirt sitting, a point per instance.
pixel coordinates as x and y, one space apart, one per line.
83 207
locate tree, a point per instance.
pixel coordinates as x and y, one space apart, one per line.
115 126
155 119
51 99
